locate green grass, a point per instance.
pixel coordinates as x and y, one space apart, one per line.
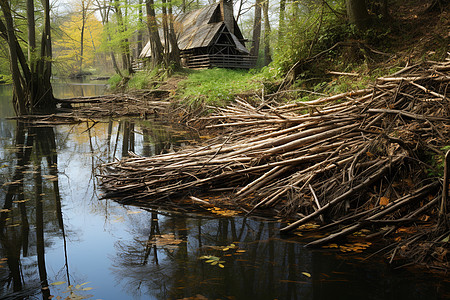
144 79
114 81
216 86
6 78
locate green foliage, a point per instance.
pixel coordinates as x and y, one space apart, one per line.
216 86
315 27
309 29
145 79
114 81
437 162
5 79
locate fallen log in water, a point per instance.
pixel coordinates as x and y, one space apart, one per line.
359 157
92 108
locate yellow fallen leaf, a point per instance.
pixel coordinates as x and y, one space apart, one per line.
384 201
222 266
58 283
306 274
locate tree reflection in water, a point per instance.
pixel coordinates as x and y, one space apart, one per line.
25 204
175 271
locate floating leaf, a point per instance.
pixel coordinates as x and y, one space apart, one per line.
118 220
133 212
222 266
241 251
306 274
308 226
50 177
87 289
384 201
21 201
58 283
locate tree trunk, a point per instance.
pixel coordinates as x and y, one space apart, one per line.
175 51
267 31
83 23
43 98
139 37
31 30
32 89
357 13
124 47
155 40
20 105
165 25
281 21
254 50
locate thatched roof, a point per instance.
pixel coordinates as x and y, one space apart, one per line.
200 28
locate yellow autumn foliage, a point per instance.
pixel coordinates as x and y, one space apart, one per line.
67 46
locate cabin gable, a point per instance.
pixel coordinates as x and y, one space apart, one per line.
206 40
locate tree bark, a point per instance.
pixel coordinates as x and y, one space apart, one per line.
175 51
139 37
20 105
32 89
357 13
155 40
281 21
267 31
254 50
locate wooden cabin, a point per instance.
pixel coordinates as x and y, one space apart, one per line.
210 37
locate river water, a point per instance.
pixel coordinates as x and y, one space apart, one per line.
59 241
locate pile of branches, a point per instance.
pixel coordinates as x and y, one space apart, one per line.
81 109
363 158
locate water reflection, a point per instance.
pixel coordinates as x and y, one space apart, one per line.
58 239
24 205
166 260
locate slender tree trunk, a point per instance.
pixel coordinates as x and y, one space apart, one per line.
155 40
281 21
125 51
165 25
254 50
267 31
83 25
43 98
175 51
31 30
141 24
104 10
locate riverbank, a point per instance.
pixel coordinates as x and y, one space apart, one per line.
370 160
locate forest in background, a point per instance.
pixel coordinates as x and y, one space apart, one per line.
106 36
